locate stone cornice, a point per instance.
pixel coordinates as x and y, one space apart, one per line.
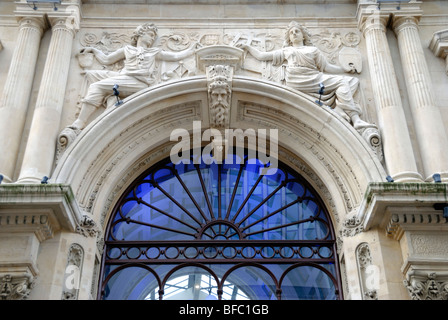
43 207
390 205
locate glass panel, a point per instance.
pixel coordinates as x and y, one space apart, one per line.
191 283
132 283
256 283
308 283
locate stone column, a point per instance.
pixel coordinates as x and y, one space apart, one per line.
398 152
429 127
17 91
40 149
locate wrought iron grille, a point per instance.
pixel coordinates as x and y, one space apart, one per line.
179 224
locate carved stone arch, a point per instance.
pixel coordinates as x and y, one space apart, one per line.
119 145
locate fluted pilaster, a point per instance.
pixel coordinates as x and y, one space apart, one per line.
17 91
429 127
398 152
40 149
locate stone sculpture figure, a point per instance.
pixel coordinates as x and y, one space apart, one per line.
304 71
138 73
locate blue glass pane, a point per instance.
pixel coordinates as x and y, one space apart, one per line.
133 283
308 283
254 282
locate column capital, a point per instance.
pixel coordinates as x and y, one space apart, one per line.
370 17
36 22
67 17
400 21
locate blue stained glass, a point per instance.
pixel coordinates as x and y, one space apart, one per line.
191 204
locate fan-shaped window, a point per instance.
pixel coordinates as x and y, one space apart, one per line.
220 231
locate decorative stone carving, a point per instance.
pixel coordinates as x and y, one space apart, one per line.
302 67
87 227
373 138
219 93
439 46
138 73
73 272
427 288
65 138
15 287
364 260
351 227
399 221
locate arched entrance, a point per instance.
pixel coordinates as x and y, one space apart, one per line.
220 231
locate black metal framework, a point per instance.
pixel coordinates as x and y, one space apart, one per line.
214 229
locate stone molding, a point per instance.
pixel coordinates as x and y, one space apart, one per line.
400 222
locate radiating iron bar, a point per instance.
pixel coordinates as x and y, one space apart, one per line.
283 226
219 190
247 198
167 214
190 195
220 261
177 203
261 203
204 190
273 213
229 208
153 226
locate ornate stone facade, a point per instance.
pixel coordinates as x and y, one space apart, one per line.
355 89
